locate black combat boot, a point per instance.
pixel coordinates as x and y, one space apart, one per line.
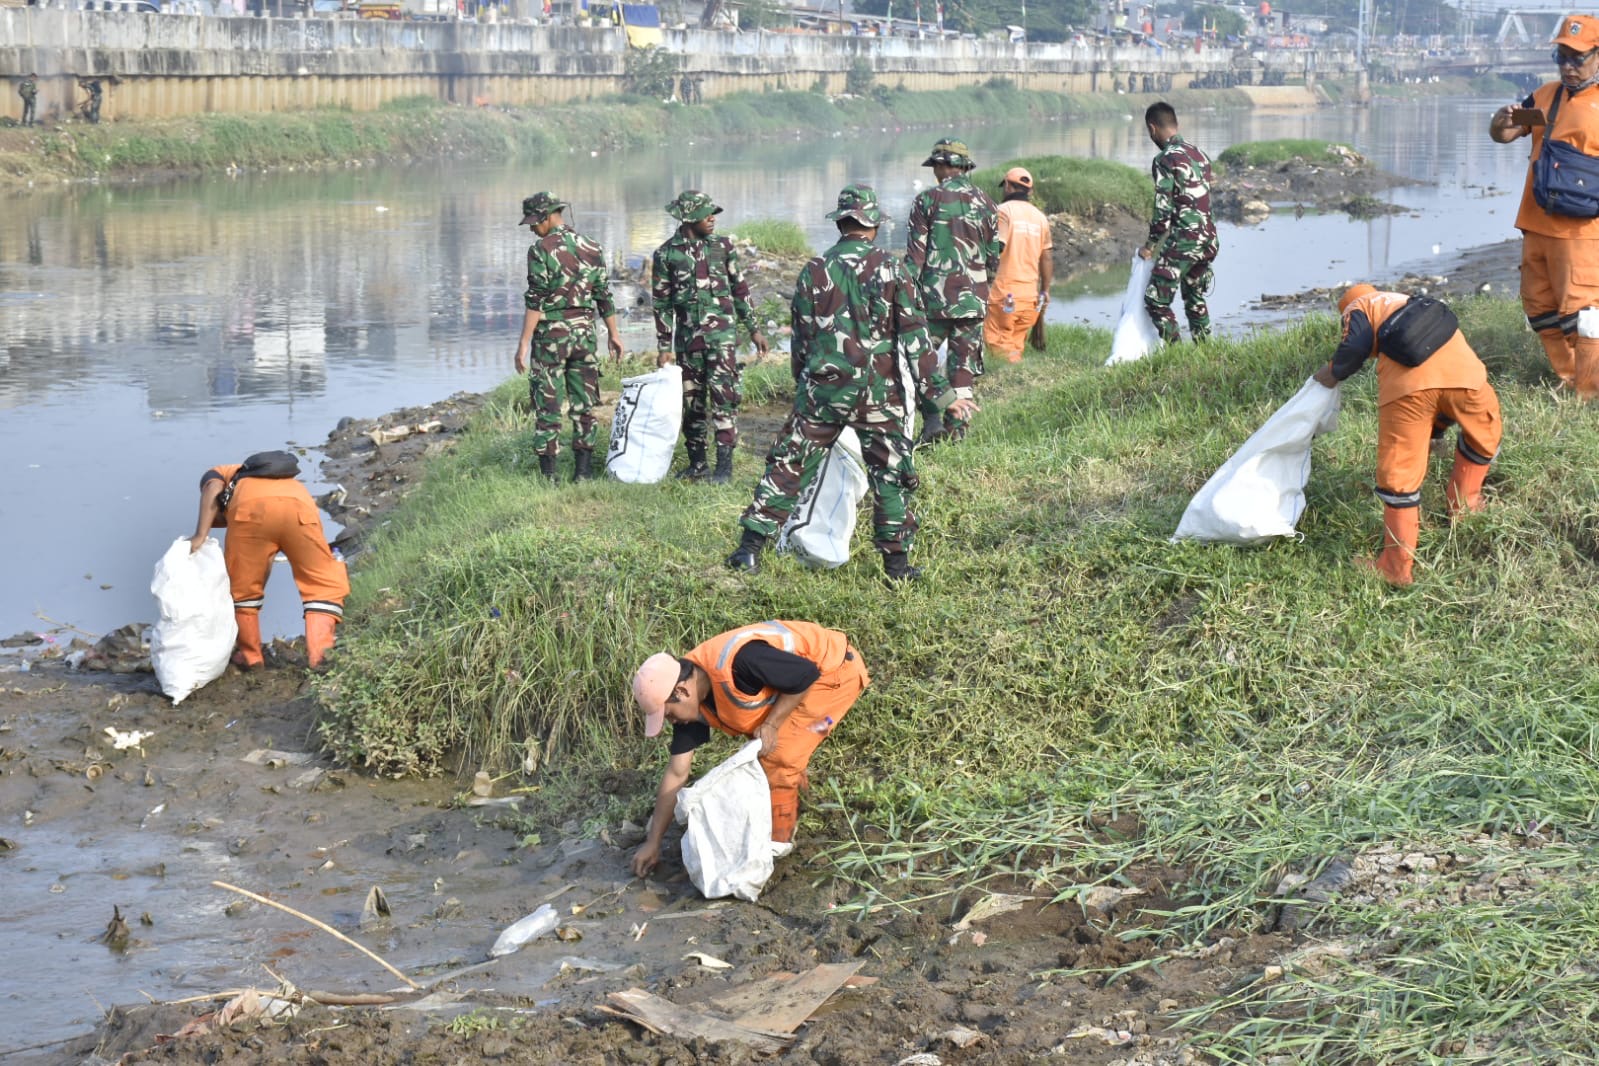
583 466
696 469
748 554
897 567
547 467
932 432
724 465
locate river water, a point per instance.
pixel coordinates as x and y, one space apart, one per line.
150 331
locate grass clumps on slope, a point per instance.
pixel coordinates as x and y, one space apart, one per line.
1076 186
1236 714
775 237
1284 150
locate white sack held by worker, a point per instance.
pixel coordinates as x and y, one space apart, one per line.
727 835
1260 492
1136 336
819 529
644 431
191 642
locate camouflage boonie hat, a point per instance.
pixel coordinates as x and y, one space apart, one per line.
859 202
692 205
541 205
950 154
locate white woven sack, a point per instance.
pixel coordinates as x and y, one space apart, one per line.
819 529
644 430
1136 336
727 839
190 644
1260 492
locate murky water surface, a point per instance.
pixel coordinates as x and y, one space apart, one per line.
149 332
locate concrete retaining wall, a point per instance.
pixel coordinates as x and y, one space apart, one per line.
183 64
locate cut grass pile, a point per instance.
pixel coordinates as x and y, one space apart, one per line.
1237 714
1076 186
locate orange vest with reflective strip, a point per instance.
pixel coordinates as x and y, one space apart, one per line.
1576 123
740 713
1454 366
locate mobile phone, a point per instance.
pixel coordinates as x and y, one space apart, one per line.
1528 116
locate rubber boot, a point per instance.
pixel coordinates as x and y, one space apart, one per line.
1587 367
1561 352
1400 528
897 567
747 555
785 814
319 631
696 470
1464 492
547 468
724 465
582 466
247 650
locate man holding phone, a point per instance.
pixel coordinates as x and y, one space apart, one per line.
1560 244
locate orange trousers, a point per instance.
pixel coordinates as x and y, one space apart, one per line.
260 528
1559 278
1006 331
830 697
1404 434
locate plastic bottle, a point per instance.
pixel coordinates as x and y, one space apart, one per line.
532 927
1010 302
824 727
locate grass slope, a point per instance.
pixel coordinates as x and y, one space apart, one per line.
1079 186
1063 668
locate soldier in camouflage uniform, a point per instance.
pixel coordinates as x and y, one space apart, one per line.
28 89
1183 220
566 285
952 248
857 331
700 298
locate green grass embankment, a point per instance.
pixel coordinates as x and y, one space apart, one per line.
421 128
1272 153
1235 713
1077 186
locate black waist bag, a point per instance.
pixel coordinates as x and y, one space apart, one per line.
261 464
1413 333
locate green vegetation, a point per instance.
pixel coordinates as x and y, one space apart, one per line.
1078 186
421 128
1224 21
1068 700
1273 153
774 237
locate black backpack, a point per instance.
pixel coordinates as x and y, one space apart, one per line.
261 464
1413 333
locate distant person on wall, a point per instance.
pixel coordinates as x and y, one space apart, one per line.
266 510
1181 228
1020 291
567 285
28 89
90 108
1560 232
700 299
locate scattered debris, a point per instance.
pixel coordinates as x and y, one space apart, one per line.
524 930
710 962
763 1014
133 738
991 906
274 760
375 910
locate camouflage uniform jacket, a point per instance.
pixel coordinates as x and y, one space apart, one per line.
566 277
28 89
698 289
856 325
1181 174
953 248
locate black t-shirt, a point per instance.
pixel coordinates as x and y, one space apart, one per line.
1355 348
757 665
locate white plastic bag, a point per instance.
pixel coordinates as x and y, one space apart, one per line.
727 839
818 531
644 431
190 645
1136 336
524 930
1260 491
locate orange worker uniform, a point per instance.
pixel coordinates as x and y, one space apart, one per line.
1014 299
264 517
1560 253
1415 406
839 679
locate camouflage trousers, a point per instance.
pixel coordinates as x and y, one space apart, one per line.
1189 272
797 453
712 390
963 359
563 367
